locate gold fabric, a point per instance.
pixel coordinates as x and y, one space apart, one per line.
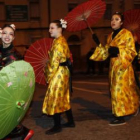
123 88
57 97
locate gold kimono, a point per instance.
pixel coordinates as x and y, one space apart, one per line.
123 88
57 97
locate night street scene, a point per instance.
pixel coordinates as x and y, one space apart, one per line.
69 69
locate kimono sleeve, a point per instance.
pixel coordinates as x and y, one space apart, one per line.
127 51
53 63
100 53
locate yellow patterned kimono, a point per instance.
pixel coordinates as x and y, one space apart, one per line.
57 97
123 88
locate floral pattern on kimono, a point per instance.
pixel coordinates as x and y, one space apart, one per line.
123 88
57 97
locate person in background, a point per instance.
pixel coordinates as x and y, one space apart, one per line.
121 49
57 71
7 35
136 61
90 63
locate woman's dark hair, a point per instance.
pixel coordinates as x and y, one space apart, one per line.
8 25
58 23
119 14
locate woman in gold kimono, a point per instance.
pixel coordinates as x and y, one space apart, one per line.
57 99
120 48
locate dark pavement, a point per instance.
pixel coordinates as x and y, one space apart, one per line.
92 112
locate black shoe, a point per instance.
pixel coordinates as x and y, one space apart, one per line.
68 125
117 122
54 130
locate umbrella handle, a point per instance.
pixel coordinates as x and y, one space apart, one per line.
90 29
88 26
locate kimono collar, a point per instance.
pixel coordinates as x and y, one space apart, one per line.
56 40
115 32
59 37
6 49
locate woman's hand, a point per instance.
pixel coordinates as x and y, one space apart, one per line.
113 51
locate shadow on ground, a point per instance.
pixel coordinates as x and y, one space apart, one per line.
91 110
88 111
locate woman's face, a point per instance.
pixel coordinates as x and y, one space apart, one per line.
7 35
54 30
116 22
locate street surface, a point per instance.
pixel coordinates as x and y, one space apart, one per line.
92 112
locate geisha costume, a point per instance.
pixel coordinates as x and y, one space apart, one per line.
120 48
57 99
7 56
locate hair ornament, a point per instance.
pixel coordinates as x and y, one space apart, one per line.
13 26
63 23
119 13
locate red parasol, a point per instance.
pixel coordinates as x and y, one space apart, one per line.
85 15
132 21
37 56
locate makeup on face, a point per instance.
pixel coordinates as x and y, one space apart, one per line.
7 35
116 22
54 30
